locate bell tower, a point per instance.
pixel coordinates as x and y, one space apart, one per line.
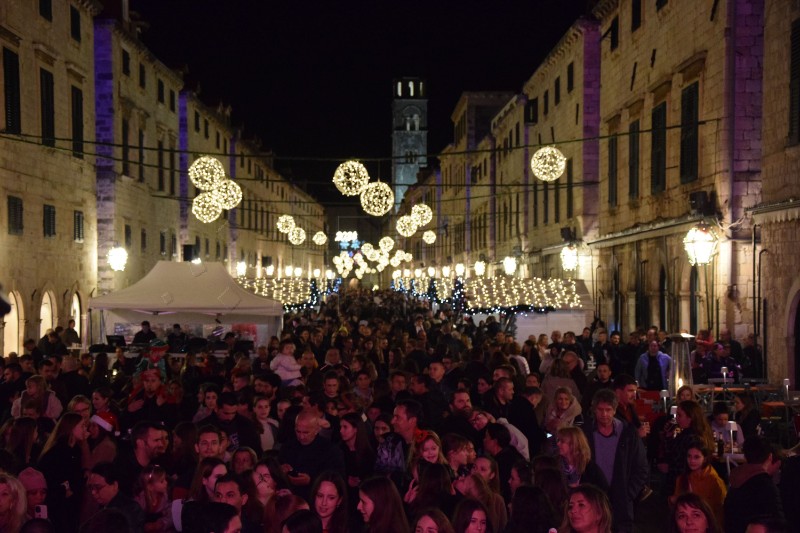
409 133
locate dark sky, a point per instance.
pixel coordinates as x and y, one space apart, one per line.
313 78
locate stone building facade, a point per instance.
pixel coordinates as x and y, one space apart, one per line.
409 133
778 215
98 138
658 109
681 139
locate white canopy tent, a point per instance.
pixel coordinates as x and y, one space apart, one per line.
187 293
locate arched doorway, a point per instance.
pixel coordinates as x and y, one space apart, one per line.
47 313
75 312
11 329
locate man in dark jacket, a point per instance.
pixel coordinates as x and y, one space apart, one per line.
308 455
103 485
620 454
753 493
240 430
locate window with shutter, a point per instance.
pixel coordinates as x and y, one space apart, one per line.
545 202
11 89
633 160
49 221
160 91
77 226
126 63
557 91
636 14
556 203
570 77
794 85
141 155
570 190
128 236
143 241
47 107
658 149
125 148
162 243
689 133
613 32
46 9
77 122
15 218
75 23
612 171
160 155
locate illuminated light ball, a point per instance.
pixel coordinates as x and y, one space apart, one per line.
367 248
241 268
406 226
206 173
351 178
460 269
228 194
372 255
117 258
417 272
422 214
377 199
407 257
319 239
548 163
297 235
429 237
386 244
206 208
285 223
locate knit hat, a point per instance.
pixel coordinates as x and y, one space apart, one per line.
106 420
32 479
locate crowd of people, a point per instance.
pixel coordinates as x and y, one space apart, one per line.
376 413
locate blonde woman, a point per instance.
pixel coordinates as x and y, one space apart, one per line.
37 390
13 503
576 459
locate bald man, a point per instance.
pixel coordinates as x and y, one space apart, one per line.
308 454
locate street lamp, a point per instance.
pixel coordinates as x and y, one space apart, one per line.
700 244
480 268
510 265
117 258
460 269
569 257
241 268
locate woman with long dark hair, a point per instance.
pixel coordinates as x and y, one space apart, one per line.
380 506
471 516
692 514
329 501
21 443
359 457
61 465
531 511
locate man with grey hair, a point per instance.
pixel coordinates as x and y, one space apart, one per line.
620 454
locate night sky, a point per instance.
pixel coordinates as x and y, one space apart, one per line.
312 79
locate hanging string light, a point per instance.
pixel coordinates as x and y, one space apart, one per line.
206 208
206 173
285 223
377 199
406 226
429 237
319 238
548 163
386 244
297 235
351 178
422 214
227 194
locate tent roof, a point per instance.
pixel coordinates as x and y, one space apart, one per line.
204 289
